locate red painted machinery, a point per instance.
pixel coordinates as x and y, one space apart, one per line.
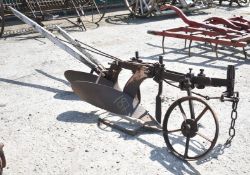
219 31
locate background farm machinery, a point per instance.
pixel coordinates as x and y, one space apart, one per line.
41 10
190 127
218 31
86 10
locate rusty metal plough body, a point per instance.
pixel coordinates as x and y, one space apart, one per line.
101 88
234 32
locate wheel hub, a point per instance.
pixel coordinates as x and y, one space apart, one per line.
189 128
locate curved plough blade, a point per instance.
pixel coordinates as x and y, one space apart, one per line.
105 97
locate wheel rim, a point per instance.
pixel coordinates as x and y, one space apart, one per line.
243 3
140 8
190 137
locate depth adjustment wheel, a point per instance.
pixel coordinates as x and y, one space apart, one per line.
190 128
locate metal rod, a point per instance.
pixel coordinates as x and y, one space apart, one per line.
158 111
163 49
78 46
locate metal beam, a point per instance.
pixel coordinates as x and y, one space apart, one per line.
78 46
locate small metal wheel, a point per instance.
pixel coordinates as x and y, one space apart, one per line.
1 18
140 8
190 128
243 3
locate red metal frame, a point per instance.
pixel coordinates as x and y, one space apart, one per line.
219 31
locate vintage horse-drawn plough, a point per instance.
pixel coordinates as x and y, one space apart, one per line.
218 31
190 127
41 10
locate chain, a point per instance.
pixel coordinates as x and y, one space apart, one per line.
234 113
234 116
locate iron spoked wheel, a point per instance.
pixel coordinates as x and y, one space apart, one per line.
1 18
140 8
190 128
243 3
96 11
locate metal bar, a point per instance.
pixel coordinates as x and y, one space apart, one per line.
204 32
76 54
77 45
225 42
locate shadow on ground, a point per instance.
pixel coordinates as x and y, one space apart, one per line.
59 94
159 154
227 55
126 19
78 117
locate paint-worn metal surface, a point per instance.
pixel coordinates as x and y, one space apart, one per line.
2 158
102 90
219 31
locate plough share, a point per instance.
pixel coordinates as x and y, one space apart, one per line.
101 88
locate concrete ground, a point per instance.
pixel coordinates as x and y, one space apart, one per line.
47 129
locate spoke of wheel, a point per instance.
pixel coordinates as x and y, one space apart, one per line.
204 137
146 5
141 7
182 112
174 130
133 4
187 146
136 5
201 114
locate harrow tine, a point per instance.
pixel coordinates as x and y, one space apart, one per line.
244 52
163 40
189 48
216 50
